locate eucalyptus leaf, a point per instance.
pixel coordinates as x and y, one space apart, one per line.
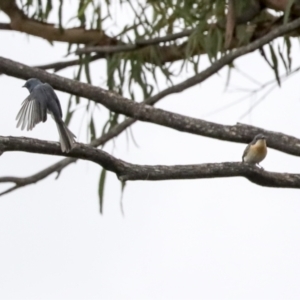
101 187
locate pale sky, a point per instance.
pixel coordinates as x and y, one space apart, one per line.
194 239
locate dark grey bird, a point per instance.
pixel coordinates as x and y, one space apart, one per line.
42 100
256 151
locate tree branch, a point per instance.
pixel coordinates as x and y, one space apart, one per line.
24 181
57 66
146 113
81 151
59 166
5 26
20 22
239 133
104 97
212 170
127 171
137 45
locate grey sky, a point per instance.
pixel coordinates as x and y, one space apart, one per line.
198 239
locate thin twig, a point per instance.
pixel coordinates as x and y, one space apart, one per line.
137 45
57 66
250 93
118 104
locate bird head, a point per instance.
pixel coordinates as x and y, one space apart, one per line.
259 137
31 83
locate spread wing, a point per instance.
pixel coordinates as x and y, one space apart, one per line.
34 107
53 102
32 112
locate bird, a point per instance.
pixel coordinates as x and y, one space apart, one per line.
256 151
42 100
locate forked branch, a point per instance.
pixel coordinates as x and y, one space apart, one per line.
239 133
127 171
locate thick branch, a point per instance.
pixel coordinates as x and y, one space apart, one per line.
59 166
170 53
81 151
20 22
103 51
138 44
213 170
22 71
50 32
57 66
5 26
142 112
126 171
239 133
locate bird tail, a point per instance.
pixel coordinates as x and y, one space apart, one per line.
66 137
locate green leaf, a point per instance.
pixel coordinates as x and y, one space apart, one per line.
92 129
87 60
40 10
105 127
230 67
275 64
287 11
81 11
77 77
113 119
288 44
60 15
243 34
123 184
283 60
69 113
101 189
48 8
99 19
263 54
